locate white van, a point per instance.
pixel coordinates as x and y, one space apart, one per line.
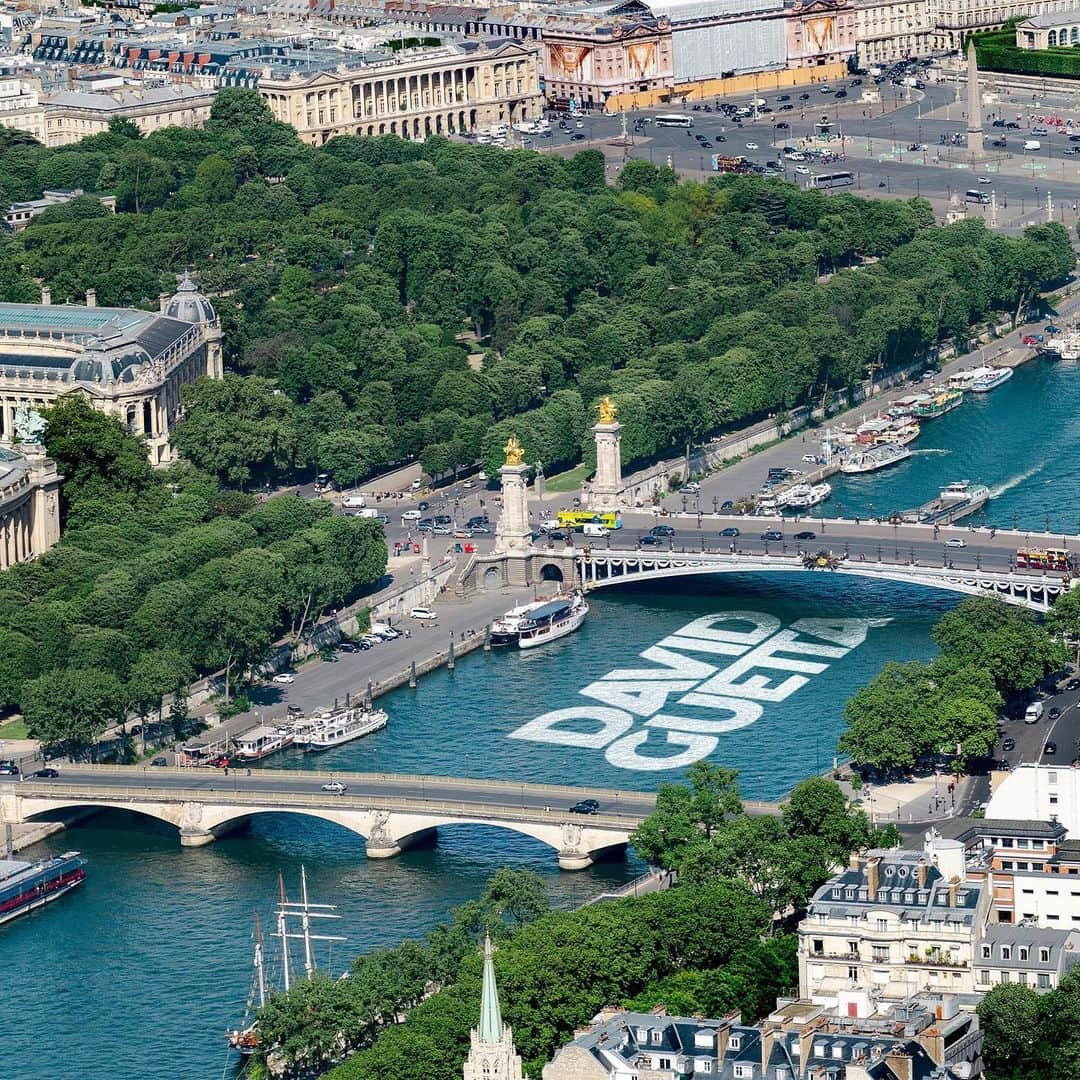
1034 712
354 502
593 528
1032 144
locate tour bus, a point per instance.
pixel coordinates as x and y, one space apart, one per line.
578 519
673 120
1050 559
831 180
977 196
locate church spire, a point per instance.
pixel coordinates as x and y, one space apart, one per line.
491 1026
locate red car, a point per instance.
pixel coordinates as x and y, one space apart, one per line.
1031 339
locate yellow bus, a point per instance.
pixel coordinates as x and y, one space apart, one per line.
578 519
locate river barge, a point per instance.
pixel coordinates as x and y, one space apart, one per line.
25 886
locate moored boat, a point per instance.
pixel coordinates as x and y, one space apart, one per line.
340 726
25 886
955 501
262 741
991 378
553 620
506 629
874 458
804 496
942 399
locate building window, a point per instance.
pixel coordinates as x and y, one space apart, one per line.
1004 978
1044 956
986 952
704 1065
852 973
817 947
1021 978
1006 952
734 1042
881 954
984 977
744 1072
883 925
657 1035
1044 981
1023 952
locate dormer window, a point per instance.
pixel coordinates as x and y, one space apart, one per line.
1023 952
1044 956
1006 952
703 1039
986 952
642 1035
657 1036
734 1042
837 1051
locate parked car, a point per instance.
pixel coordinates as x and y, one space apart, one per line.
691 488
9 768
348 647
328 657
806 535
585 806
422 613
730 531
294 712
284 678
1073 684
335 787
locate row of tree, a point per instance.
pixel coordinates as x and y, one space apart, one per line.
709 945
990 651
159 577
355 287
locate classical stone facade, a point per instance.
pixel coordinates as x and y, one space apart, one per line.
955 19
130 364
887 31
432 92
1049 31
819 32
29 505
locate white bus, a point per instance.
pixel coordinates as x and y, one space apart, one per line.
831 180
673 120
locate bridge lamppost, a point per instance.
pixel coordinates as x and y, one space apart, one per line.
978 561
879 553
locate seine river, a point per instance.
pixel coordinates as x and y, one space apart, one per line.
137 974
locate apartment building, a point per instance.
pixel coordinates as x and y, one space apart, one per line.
1025 955
891 30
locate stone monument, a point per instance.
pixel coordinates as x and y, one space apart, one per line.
606 490
513 533
974 105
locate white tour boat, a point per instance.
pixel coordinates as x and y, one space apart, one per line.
340 726
874 458
505 630
262 741
552 620
990 378
804 496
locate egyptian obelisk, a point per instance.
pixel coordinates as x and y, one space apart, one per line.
974 105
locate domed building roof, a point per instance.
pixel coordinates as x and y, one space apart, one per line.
188 304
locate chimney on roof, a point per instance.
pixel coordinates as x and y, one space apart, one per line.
873 876
46 295
901 1063
659 1010
91 297
954 884
854 863
921 872
163 299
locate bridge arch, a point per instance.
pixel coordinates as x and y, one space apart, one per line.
551 572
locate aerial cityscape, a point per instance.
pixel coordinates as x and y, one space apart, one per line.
540 540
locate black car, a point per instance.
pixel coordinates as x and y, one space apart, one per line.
806 535
783 97
999 143
423 505
1050 748
662 530
443 519
772 534
730 531
650 541
855 82
804 97
586 806
1073 684
1008 744
9 768
721 138
577 137
328 658
556 534
727 504
45 774
1055 712
783 124
159 761
787 108
348 646
840 94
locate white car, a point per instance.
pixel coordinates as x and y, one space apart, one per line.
809 459
802 170
411 515
985 180
334 786
955 541
692 488
422 613
752 146
416 485
481 476
354 502
284 678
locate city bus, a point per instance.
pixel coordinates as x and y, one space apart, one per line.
578 519
1050 559
673 120
832 179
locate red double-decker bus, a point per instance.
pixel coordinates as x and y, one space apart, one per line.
1050 559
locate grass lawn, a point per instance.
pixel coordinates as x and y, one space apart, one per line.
569 480
14 729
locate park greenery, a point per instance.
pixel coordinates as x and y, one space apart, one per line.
990 652
709 944
160 576
1028 1033
354 281
996 50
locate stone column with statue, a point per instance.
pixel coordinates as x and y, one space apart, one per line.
513 532
606 490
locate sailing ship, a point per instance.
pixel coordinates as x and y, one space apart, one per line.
245 1039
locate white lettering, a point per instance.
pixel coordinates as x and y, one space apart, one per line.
623 754
763 625
643 698
846 632
693 644
613 723
758 686
677 666
744 713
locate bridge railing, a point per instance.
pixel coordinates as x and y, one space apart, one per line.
291 800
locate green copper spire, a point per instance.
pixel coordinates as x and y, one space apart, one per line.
491 1025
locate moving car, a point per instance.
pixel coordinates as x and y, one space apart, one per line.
44 774
8 768
752 146
650 541
411 515
807 535
1050 748
1008 744
586 806
284 678
336 787
955 542
1055 712
662 530
772 534
422 613
730 531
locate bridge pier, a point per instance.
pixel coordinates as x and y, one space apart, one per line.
196 837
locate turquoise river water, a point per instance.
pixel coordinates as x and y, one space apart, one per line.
137 973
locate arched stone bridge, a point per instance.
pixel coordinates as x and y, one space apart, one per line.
390 812
596 568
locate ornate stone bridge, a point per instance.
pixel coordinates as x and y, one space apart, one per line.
390 812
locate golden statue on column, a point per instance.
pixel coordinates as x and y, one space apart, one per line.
514 451
608 410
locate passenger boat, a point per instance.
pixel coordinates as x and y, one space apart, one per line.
942 400
505 630
340 726
25 886
955 501
876 457
262 741
904 407
804 496
991 378
552 620
901 434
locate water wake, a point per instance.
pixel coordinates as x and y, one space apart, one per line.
930 450
1013 481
